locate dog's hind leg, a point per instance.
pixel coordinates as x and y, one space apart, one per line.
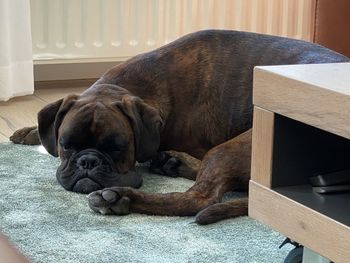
27 136
224 168
234 174
220 211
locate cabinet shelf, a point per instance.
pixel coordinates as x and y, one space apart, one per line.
335 206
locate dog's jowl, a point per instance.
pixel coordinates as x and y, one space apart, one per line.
193 95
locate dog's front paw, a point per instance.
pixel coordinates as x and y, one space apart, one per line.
165 164
174 164
110 201
27 136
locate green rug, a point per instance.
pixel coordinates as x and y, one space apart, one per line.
49 224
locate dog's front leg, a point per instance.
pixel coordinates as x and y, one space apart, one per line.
175 164
125 200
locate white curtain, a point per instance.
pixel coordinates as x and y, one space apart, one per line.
16 63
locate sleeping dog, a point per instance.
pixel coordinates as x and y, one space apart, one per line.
193 95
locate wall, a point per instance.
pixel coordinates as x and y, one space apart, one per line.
109 31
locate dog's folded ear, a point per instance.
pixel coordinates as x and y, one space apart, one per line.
50 119
146 123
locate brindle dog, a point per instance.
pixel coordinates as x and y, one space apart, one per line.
193 95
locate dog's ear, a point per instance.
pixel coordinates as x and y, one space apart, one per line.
50 119
146 124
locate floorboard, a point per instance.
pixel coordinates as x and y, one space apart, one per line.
49 95
22 111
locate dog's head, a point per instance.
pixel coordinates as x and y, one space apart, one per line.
99 139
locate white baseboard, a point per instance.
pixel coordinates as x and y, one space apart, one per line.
71 71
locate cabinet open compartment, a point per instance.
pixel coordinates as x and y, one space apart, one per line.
301 151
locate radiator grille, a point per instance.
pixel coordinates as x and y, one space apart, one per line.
107 30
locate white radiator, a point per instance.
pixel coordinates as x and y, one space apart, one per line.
113 30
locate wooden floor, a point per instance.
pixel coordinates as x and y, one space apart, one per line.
21 111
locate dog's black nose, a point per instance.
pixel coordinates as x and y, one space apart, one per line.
88 161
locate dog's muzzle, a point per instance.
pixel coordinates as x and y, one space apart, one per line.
90 170
86 171
86 163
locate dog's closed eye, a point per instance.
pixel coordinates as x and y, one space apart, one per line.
65 146
113 145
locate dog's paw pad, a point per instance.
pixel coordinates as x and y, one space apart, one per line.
122 207
109 201
110 196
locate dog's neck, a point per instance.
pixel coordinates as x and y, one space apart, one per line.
125 79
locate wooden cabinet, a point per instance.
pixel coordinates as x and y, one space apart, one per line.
302 128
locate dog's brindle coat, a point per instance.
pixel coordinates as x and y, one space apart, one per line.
193 95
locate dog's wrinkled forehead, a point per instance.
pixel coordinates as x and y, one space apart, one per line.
93 123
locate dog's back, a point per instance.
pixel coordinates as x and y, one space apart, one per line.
205 79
